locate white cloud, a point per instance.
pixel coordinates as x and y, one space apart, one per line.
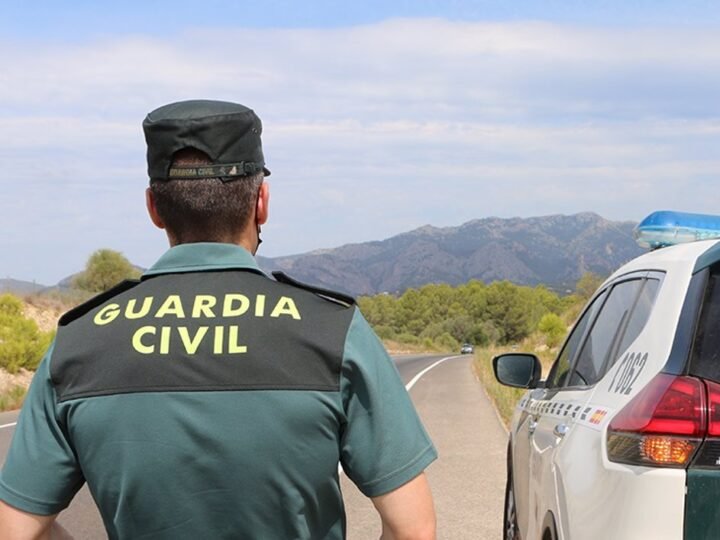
370 130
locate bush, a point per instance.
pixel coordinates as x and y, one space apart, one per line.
408 338
104 269
22 344
499 313
587 285
553 328
384 331
446 341
11 306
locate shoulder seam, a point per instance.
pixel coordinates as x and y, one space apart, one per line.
327 294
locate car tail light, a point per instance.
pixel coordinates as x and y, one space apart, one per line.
664 424
709 454
713 393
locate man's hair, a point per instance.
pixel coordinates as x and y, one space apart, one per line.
204 209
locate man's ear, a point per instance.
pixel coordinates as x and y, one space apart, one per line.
261 210
152 209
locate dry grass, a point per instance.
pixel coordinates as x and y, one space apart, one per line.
503 397
13 398
46 308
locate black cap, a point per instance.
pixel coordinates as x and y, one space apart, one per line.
227 132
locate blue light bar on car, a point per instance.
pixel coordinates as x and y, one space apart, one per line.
667 228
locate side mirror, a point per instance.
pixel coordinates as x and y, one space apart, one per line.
519 370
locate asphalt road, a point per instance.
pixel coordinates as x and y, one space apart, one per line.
467 480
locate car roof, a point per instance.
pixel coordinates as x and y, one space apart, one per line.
696 255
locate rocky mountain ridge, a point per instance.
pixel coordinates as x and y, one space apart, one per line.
553 250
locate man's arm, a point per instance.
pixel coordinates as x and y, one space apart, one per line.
407 512
20 525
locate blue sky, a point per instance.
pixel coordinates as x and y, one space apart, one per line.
78 20
379 117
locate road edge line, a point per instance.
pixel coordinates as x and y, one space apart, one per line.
409 386
418 376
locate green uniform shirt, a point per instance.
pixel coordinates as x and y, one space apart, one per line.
209 400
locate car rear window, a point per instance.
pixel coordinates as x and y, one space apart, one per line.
607 328
606 333
640 316
706 347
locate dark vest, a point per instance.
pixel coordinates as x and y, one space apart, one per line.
202 331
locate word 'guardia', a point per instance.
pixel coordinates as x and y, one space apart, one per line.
152 339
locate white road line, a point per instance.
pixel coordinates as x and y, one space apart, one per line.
417 377
409 385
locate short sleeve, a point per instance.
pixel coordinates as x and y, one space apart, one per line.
41 474
384 444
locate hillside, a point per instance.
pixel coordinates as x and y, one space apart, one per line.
16 286
554 250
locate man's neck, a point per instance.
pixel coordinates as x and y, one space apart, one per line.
248 240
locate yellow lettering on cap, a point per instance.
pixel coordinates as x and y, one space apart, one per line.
233 346
191 344
229 310
286 306
203 305
171 306
107 314
130 312
137 340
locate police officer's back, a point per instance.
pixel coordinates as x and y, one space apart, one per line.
207 398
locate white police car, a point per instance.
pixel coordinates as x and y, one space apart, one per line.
622 440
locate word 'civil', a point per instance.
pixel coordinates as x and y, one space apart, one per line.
224 338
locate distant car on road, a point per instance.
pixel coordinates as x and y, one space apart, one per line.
467 348
622 440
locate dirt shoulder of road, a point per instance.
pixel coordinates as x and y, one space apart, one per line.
8 381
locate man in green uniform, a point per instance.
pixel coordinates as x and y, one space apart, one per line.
207 399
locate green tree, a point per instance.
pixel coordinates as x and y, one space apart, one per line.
414 311
104 269
447 342
509 310
380 309
488 333
588 284
461 328
553 328
501 312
